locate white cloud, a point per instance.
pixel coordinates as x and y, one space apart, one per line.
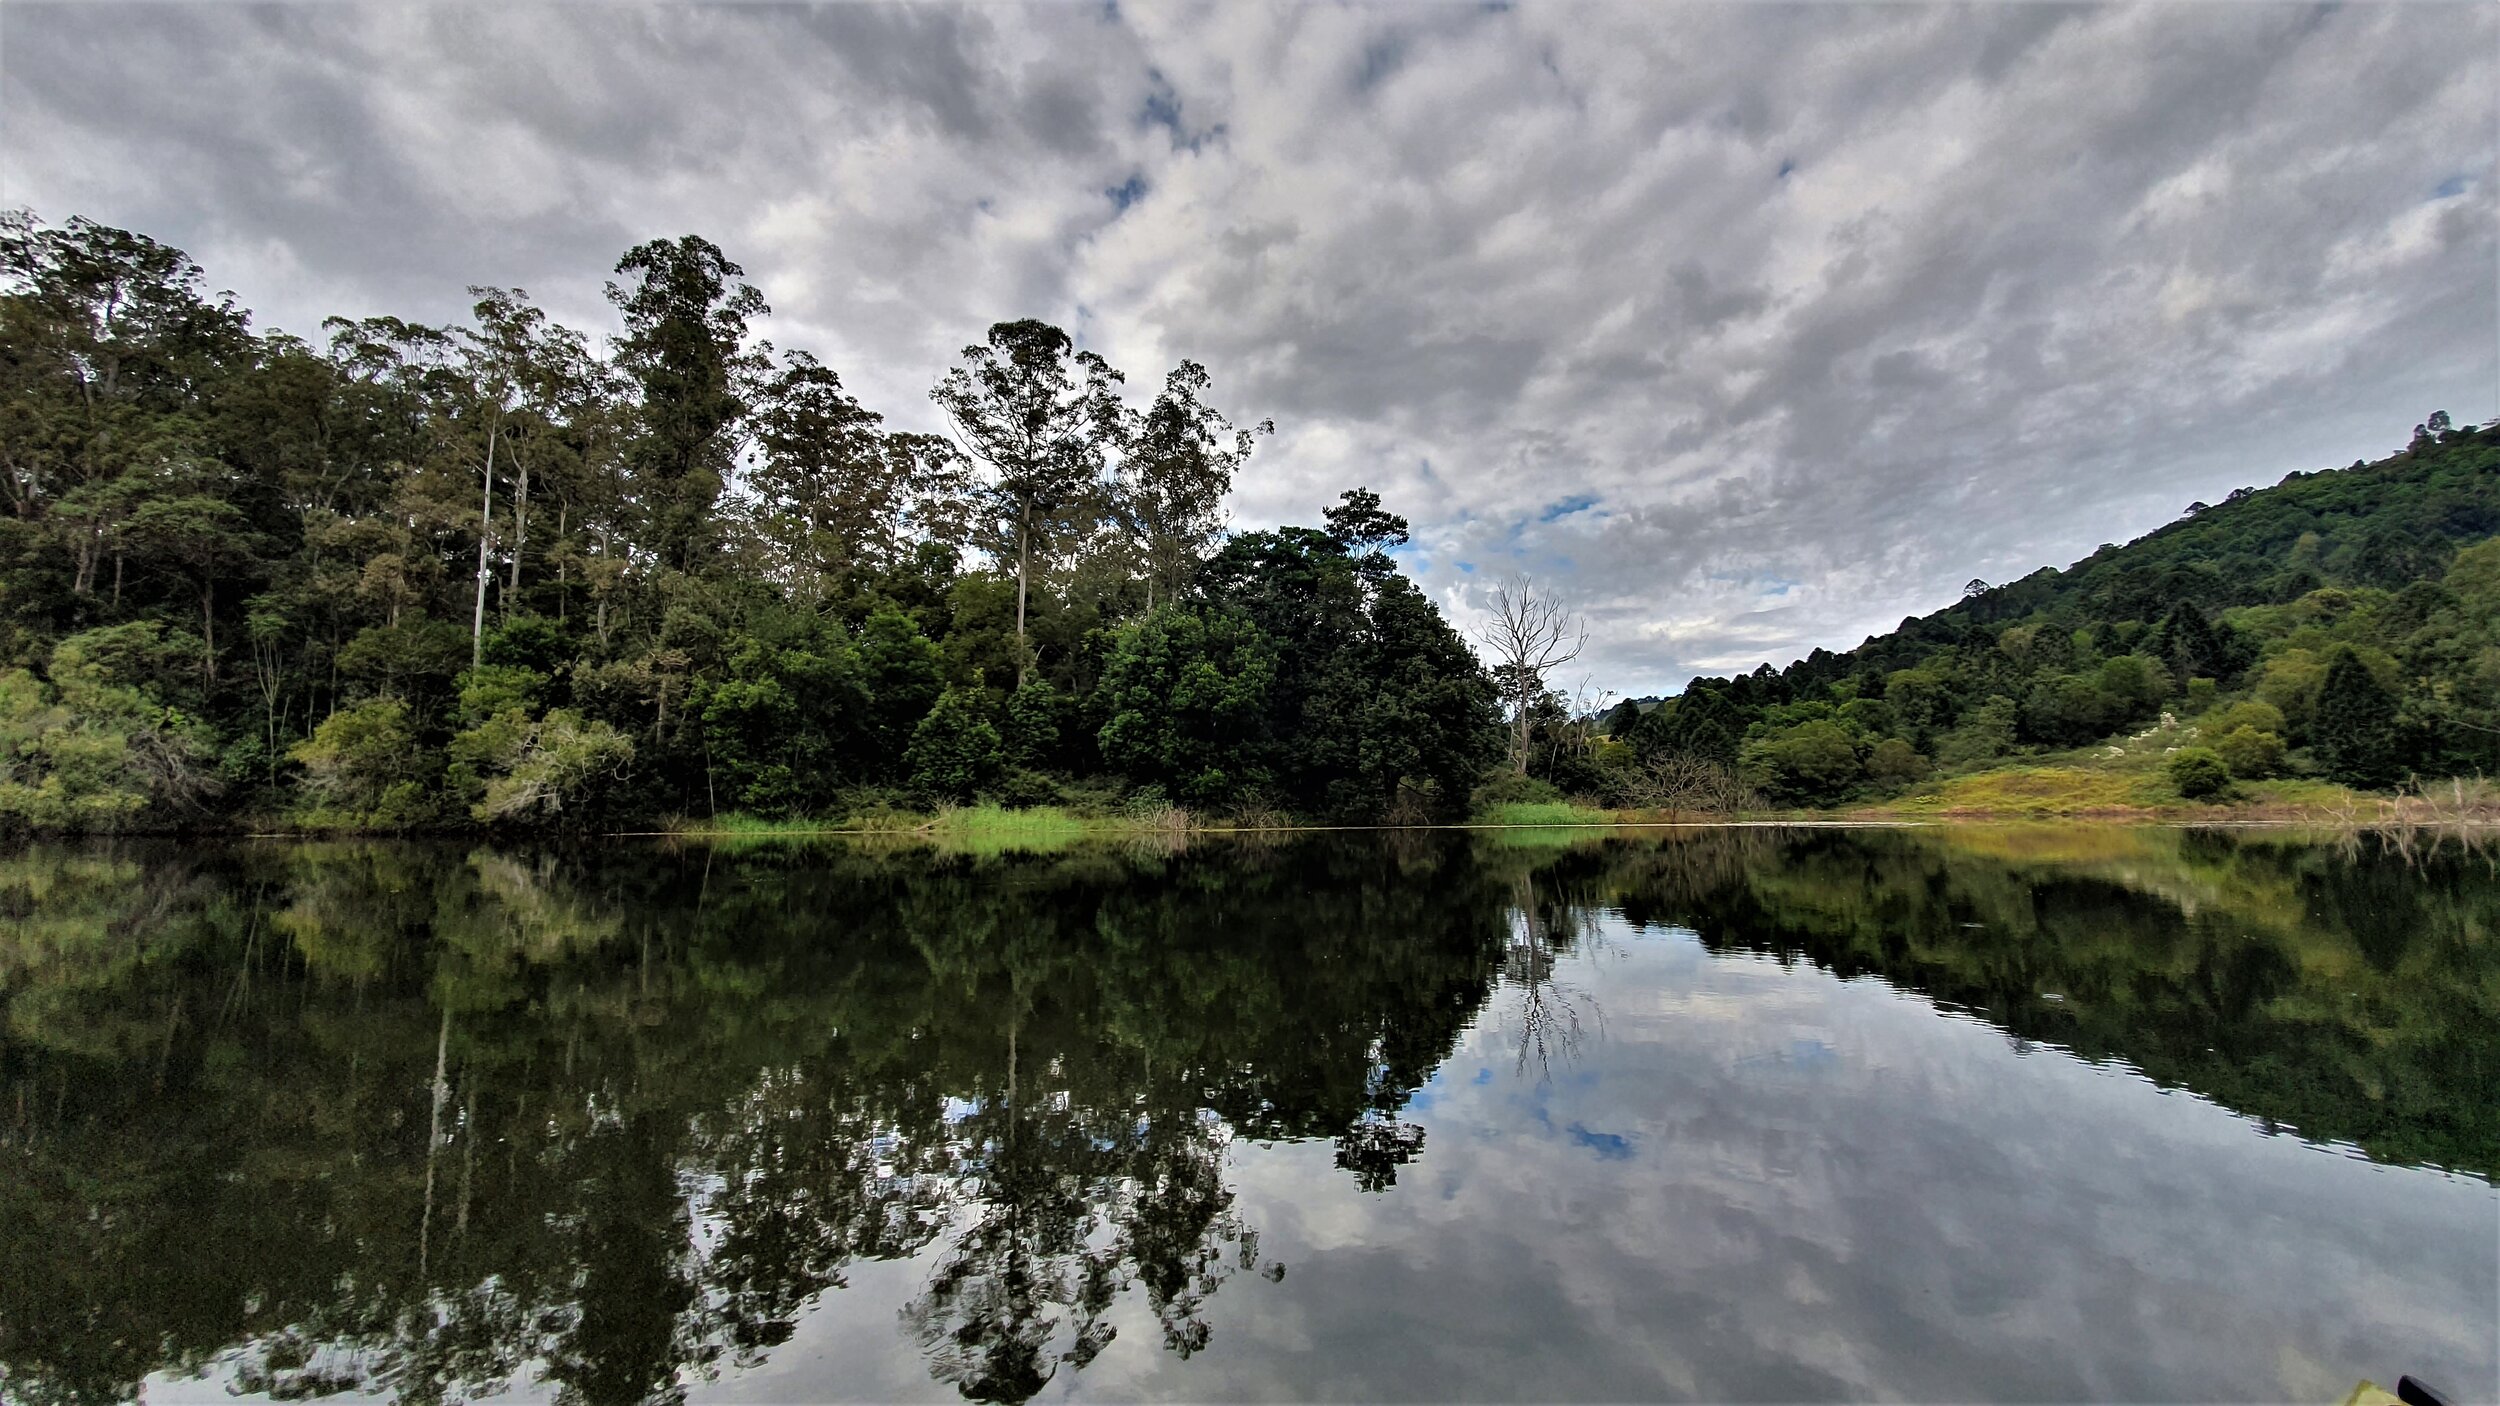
1824 310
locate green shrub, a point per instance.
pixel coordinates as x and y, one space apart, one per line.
1039 718
2252 755
363 764
1024 787
558 769
955 752
90 754
2255 714
2198 773
1510 788
1183 695
493 688
1894 759
1813 763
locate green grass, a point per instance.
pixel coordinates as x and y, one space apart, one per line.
744 826
991 829
976 829
1543 813
2039 790
738 825
2125 786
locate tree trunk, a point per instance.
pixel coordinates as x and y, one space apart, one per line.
601 596
1024 556
520 533
563 587
208 628
485 531
1519 731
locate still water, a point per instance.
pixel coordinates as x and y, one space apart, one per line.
1939 1114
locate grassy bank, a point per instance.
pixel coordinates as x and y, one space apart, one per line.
976 829
1547 813
2081 791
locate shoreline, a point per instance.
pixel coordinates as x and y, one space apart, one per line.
1097 829
1053 825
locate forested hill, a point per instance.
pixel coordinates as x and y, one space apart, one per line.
2340 624
2386 525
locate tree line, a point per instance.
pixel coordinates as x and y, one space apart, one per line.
505 573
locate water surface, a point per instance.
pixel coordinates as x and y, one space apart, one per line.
2047 1113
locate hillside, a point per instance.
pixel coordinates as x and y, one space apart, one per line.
2340 626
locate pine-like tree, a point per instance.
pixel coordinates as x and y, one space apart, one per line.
2355 727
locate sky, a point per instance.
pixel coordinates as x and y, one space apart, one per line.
1742 329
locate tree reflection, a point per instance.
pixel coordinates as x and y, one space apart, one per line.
423 1121
456 1121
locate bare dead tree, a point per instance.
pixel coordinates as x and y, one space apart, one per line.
1530 635
1680 783
1575 737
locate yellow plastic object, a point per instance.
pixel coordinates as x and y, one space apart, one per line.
2370 1393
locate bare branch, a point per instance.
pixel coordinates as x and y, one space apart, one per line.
1530 635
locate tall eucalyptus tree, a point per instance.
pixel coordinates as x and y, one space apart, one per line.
1180 462
685 345
1041 415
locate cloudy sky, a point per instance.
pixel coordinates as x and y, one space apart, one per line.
1747 328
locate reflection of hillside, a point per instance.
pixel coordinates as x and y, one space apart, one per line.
451 1118
2349 996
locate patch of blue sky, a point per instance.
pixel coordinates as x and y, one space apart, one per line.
1127 192
1755 582
2452 187
1562 508
1609 1147
1162 108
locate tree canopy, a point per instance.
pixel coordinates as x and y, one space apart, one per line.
508 574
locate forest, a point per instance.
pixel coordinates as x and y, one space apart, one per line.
507 575
2341 626
418 577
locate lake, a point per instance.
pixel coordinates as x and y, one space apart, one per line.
2006 1113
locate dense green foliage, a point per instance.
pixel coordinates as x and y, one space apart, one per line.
2343 624
439 577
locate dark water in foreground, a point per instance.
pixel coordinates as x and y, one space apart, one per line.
2051 1113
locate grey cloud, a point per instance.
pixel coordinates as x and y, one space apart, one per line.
1825 309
